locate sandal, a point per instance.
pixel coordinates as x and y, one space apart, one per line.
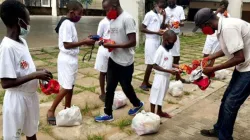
51 120
164 115
144 87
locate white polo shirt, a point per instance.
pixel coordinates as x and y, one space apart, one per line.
104 28
234 35
174 15
153 22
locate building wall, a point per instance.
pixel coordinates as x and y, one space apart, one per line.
96 4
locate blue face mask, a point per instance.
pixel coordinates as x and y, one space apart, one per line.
23 32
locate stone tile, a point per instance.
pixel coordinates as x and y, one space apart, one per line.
88 71
87 82
40 63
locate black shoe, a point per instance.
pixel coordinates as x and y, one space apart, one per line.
102 97
209 133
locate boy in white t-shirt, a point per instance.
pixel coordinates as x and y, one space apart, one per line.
151 26
163 65
175 20
103 54
18 75
67 63
212 44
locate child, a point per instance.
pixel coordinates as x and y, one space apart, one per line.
151 25
163 65
18 75
121 61
103 54
67 63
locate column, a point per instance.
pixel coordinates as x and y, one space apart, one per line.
54 7
235 8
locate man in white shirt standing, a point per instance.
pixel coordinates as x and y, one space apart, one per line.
151 26
121 61
234 37
175 20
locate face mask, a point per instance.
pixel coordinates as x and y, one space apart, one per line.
207 30
172 5
169 46
112 14
24 32
76 19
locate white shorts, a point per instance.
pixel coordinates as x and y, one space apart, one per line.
67 67
159 89
20 115
211 46
176 49
151 46
101 63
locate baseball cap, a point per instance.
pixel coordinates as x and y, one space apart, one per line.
202 16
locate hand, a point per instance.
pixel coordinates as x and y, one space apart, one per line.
208 71
89 42
43 75
173 72
160 33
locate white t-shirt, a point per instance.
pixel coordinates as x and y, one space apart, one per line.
119 29
153 22
164 59
174 15
234 35
104 28
68 33
16 62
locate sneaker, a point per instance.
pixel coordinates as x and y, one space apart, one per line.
103 118
209 133
135 110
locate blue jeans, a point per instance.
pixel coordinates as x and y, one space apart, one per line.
235 95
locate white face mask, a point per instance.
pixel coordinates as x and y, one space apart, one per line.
24 32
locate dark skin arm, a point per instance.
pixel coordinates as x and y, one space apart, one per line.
163 22
70 45
145 30
10 83
216 55
156 67
237 59
129 44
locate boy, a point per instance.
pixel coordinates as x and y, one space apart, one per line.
151 25
18 75
103 54
212 44
67 63
121 61
175 20
163 65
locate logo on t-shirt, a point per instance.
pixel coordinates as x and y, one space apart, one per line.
24 64
166 58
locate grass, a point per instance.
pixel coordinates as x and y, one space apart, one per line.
137 90
91 89
49 98
171 102
95 137
187 93
87 109
2 93
47 129
123 123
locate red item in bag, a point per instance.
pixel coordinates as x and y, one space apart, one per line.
195 64
50 87
203 83
186 68
109 41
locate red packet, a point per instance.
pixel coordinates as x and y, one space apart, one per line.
50 87
203 83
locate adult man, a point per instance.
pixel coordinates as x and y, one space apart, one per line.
121 61
234 37
175 17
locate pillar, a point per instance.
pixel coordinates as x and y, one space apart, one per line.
54 7
235 8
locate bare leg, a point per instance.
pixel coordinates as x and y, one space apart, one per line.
31 138
147 76
68 98
59 97
162 114
102 79
152 108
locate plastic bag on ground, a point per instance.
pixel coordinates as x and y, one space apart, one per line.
175 88
146 123
69 117
222 74
120 100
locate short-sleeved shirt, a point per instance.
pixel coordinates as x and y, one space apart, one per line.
234 35
174 15
153 22
164 59
104 28
16 62
119 29
68 33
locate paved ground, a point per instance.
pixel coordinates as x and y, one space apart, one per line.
194 110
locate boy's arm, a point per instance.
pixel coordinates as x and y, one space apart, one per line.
9 82
87 42
145 30
157 67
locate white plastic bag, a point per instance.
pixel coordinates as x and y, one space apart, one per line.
222 74
120 100
69 117
176 88
146 123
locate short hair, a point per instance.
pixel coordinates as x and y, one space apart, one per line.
169 33
225 3
73 5
11 10
160 1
